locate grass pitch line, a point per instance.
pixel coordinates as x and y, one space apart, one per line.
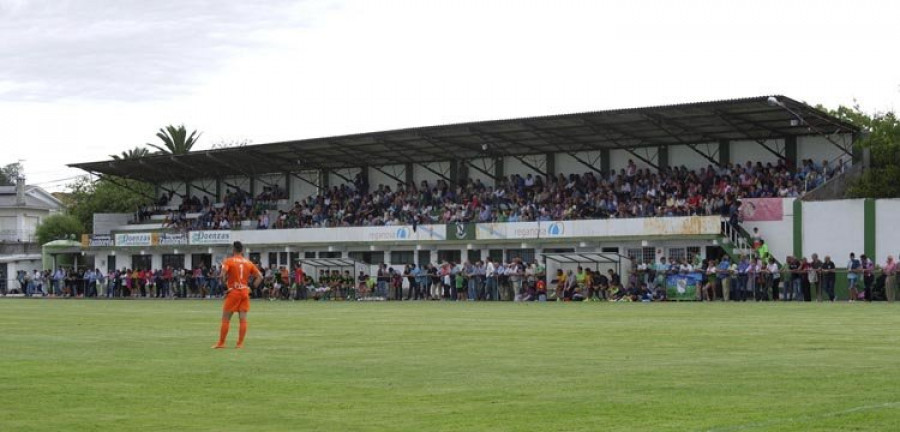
805 418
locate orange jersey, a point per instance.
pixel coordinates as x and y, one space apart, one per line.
237 271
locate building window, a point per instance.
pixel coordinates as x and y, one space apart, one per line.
424 258
402 257
367 257
329 254
677 253
693 252
450 256
273 258
526 255
496 255
176 261
614 250
473 255
641 255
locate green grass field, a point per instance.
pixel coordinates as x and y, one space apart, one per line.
146 365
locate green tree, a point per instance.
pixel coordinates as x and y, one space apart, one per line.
881 137
59 226
106 195
9 174
135 153
176 140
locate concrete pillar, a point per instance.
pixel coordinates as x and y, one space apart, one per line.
790 150
662 158
604 161
724 152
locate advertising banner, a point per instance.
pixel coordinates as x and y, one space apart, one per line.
683 286
97 240
762 209
133 239
170 239
210 237
461 231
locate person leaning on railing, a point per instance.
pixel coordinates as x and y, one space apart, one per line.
890 280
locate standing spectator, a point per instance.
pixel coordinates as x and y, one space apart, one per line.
383 280
491 290
29 283
890 279
112 283
742 278
723 273
868 273
469 271
773 278
853 271
828 277
299 285
59 277
815 276
792 291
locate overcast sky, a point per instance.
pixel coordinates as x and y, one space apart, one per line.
84 79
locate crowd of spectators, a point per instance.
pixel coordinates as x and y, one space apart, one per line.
625 193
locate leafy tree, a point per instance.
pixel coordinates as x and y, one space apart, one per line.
881 137
175 140
106 195
9 174
58 226
135 153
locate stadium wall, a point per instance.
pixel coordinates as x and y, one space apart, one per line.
833 228
887 231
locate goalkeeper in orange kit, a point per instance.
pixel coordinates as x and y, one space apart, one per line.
236 274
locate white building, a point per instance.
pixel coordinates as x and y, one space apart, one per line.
22 208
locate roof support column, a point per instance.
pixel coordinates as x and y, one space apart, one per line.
410 178
287 185
724 152
662 158
498 169
219 189
323 180
187 189
790 150
604 161
364 174
454 172
550 164
253 186
462 170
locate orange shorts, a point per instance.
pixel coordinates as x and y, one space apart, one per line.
237 301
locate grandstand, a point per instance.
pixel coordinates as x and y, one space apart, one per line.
645 183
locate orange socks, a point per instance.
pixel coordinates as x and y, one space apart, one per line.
223 332
241 333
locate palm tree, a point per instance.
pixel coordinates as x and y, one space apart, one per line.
176 140
135 153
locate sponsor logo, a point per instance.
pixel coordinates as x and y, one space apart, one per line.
402 233
140 239
210 237
460 230
556 229
171 239
100 240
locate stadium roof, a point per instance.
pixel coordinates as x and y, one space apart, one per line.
754 119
